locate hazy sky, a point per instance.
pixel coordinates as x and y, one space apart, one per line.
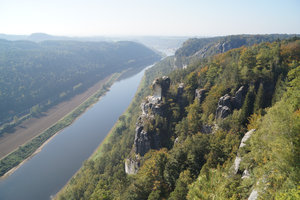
149 17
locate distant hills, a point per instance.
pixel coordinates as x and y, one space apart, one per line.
44 73
196 48
165 44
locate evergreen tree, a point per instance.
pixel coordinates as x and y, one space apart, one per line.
191 85
279 89
259 98
247 108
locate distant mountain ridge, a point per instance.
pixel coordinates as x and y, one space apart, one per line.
196 48
34 74
166 44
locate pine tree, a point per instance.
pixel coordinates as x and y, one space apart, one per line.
279 89
247 108
258 104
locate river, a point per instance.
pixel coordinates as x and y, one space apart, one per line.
47 172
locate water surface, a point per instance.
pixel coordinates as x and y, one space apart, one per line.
48 171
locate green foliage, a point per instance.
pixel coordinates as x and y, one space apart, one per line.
259 98
279 89
223 146
34 74
247 108
194 117
207 47
25 151
291 194
182 184
191 85
196 165
211 101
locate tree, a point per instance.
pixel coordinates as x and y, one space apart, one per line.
247 108
247 63
191 85
194 117
258 103
182 184
35 110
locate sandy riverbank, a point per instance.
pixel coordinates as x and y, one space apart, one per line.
33 127
11 171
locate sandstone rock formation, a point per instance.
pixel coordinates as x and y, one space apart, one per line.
132 165
227 104
200 94
144 140
238 158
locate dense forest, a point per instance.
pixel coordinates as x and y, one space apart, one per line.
226 127
196 48
35 76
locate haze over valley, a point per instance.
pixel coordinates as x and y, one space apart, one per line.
152 100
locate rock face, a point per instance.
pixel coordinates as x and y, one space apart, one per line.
236 164
132 166
200 94
144 141
224 107
246 137
238 158
246 174
227 103
180 90
141 141
160 86
253 195
239 97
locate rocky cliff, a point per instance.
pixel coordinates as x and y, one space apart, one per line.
144 139
227 104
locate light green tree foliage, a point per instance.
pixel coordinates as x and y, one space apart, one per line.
181 188
190 86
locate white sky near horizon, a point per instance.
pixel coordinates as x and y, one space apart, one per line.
149 17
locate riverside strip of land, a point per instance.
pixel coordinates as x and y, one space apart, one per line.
59 116
35 126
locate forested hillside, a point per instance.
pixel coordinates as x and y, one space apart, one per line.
34 76
196 48
225 127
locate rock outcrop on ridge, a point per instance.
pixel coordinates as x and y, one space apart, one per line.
227 104
144 140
